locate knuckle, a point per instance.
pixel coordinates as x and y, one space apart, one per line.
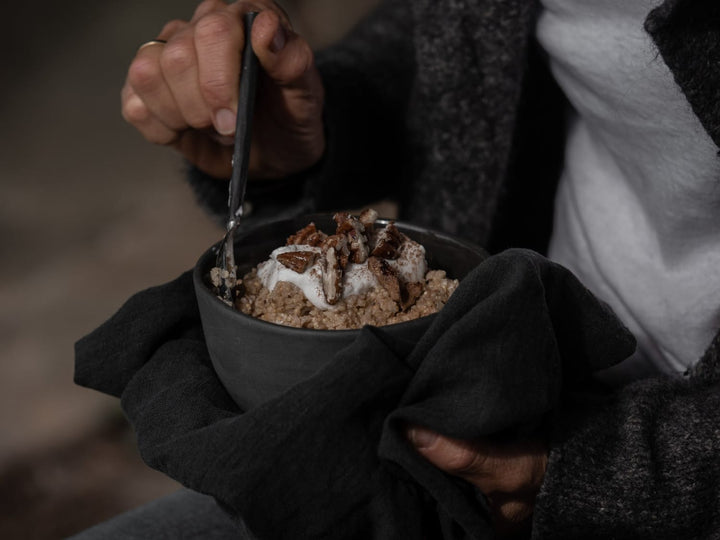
215 27
135 111
299 62
144 73
177 57
216 89
307 55
171 27
208 5
303 60
462 459
521 474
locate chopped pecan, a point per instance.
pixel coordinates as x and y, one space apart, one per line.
409 293
367 218
404 294
351 227
297 261
308 235
335 255
342 218
388 242
339 243
359 250
316 239
386 276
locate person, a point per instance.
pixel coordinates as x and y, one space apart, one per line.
585 130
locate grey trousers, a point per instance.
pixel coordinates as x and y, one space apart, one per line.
183 515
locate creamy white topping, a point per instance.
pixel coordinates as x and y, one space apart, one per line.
410 265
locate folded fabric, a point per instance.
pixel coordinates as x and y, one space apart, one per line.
328 458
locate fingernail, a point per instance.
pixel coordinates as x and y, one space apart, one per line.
279 39
225 122
422 438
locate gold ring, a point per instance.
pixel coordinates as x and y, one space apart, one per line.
152 42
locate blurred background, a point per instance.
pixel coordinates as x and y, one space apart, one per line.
89 214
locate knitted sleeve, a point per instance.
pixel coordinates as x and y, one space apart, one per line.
367 78
643 464
686 35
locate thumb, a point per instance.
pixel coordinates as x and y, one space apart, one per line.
454 456
516 467
285 57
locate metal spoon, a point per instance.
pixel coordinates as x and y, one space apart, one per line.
240 159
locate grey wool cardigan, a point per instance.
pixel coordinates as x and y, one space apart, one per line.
447 107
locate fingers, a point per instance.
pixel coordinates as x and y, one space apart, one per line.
147 102
206 7
284 56
456 457
136 113
509 473
148 79
494 468
219 40
171 28
191 81
179 63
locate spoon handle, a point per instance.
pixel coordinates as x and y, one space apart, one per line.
246 102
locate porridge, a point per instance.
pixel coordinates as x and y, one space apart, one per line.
359 275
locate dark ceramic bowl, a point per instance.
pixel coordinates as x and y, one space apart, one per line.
257 360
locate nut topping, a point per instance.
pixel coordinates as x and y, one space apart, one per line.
308 235
342 218
350 244
388 242
367 218
388 281
335 255
410 293
386 276
404 294
297 261
355 232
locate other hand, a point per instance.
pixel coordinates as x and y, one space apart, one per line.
509 474
183 93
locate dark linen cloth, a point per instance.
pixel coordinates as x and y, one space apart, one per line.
328 458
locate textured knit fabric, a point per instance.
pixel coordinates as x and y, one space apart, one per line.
328 458
643 464
686 33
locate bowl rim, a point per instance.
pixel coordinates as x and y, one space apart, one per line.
202 288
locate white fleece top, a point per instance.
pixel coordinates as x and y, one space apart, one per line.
638 207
